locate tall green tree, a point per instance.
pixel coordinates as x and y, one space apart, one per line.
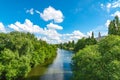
92 35
114 26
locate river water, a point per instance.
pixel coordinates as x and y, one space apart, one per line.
60 69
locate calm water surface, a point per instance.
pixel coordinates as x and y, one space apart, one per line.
60 69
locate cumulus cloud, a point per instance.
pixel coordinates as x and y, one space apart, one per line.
27 26
47 34
54 26
89 34
107 23
51 13
75 35
116 13
31 11
2 27
52 34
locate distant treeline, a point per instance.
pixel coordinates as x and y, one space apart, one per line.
80 44
19 52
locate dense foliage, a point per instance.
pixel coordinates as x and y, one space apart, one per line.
114 26
98 62
81 43
21 51
67 46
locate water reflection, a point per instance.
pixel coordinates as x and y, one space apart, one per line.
60 69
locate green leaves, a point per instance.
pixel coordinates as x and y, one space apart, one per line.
98 62
82 43
68 45
86 64
21 51
114 26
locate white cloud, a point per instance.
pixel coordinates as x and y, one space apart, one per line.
111 5
27 26
51 14
54 26
107 23
89 34
102 29
116 13
37 11
31 11
78 34
75 35
108 6
49 35
116 4
52 34
2 27
102 5
14 27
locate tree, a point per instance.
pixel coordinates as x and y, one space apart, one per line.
92 35
80 44
19 52
67 45
98 62
85 64
114 26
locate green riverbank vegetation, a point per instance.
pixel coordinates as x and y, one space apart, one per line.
19 52
102 60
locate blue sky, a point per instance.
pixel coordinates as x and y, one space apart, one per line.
58 20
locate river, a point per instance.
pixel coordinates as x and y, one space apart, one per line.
60 69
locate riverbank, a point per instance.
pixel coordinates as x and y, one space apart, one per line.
57 69
19 52
40 69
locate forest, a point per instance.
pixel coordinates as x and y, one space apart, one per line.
19 52
100 61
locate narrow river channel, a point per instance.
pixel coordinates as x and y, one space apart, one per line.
60 69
